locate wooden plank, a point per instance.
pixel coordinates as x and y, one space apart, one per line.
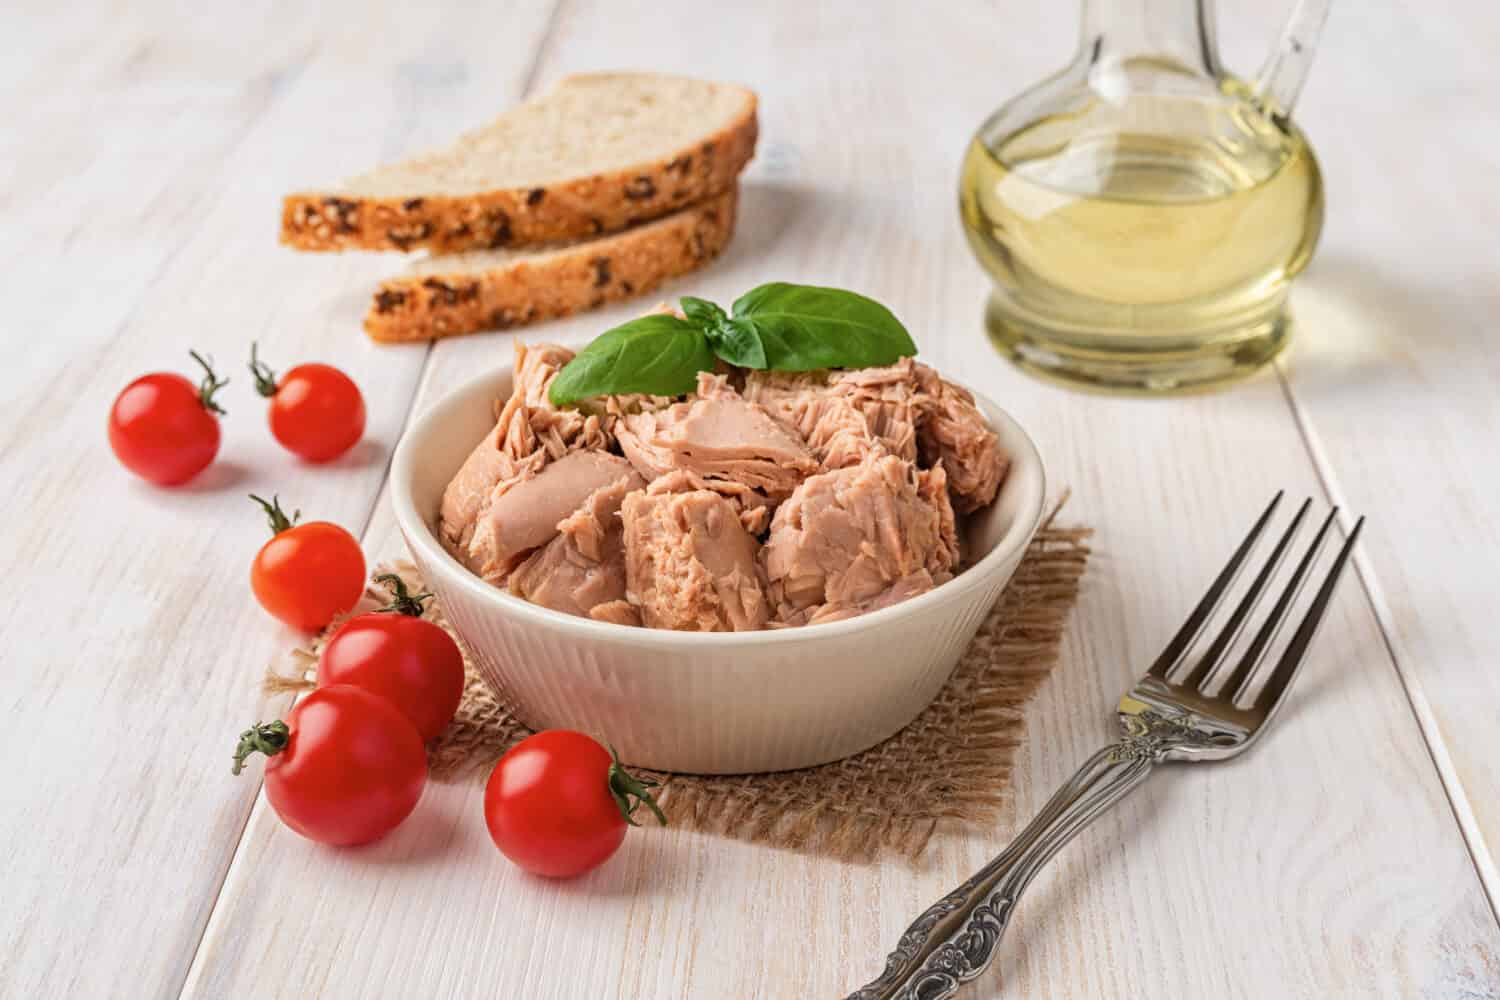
1395 372
1288 873
149 191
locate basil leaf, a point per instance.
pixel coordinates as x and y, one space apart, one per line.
804 327
738 342
659 354
702 312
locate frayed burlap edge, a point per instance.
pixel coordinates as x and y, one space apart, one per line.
952 764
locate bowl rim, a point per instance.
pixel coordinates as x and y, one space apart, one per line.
418 534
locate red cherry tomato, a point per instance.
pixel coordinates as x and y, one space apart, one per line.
163 428
557 803
400 656
317 411
345 767
307 574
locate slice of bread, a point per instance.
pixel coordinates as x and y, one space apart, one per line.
495 289
601 152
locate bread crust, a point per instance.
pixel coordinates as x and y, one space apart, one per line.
522 217
427 306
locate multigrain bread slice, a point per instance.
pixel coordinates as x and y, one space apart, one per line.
601 152
494 289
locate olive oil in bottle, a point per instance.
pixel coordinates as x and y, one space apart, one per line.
1143 244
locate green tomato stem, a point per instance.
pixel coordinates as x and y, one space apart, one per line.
265 378
403 601
211 384
269 738
625 786
279 521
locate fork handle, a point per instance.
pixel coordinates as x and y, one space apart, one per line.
955 939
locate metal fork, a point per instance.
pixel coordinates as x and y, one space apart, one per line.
1161 720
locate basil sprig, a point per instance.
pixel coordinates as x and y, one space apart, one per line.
780 326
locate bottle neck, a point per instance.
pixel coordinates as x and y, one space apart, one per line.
1117 32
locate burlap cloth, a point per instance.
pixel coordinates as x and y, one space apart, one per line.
952 765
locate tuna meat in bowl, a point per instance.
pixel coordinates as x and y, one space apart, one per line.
762 500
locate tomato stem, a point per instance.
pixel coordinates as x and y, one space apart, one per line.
265 378
211 384
403 601
625 786
279 521
269 738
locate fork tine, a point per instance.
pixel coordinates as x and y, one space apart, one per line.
1244 671
1172 654
1203 670
1281 678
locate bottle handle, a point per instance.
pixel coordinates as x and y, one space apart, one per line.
1285 71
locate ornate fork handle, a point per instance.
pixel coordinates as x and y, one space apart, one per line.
955 939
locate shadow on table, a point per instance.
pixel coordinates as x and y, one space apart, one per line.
650 863
223 474
1360 327
768 211
366 453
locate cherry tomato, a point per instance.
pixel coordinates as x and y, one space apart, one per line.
345 767
557 803
317 411
400 656
163 428
307 574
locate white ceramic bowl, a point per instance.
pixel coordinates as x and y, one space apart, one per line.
709 703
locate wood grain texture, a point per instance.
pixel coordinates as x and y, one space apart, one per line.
1326 863
1398 375
148 189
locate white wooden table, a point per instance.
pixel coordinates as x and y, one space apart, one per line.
142 156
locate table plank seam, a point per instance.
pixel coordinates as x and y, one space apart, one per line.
539 57
528 83
1416 698
255 803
